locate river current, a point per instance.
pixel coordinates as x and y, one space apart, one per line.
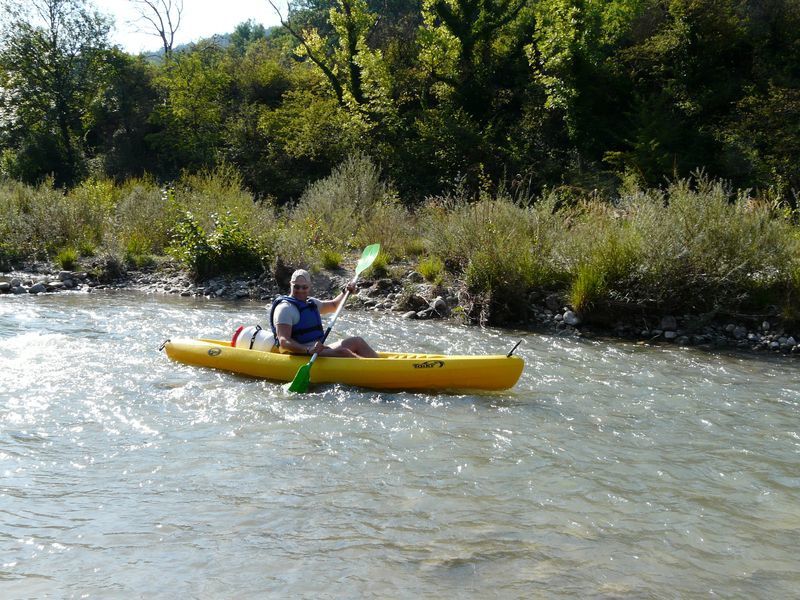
610 471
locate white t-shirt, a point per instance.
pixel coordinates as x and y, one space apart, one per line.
287 313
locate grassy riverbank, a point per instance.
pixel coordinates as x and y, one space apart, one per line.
692 246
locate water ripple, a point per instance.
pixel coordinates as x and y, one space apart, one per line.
611 470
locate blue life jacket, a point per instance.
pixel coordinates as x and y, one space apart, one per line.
308 328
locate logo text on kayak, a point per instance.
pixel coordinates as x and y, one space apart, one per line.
429 364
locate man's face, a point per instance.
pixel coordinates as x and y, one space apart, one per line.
301 288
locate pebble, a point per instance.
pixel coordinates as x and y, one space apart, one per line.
413 299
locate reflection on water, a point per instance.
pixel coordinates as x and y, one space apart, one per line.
611 470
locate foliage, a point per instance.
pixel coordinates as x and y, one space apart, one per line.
432 269
331 259
50 69
350 208
226 249
195 86
67 258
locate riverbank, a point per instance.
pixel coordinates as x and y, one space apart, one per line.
405 292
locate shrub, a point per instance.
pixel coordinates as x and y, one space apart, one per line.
9 256
432 269
227 249
86 248
93 203
710 248
190 246
137 252
602 253
350 208
388 223
414 246
36 220
331 259
588 289
378 268
219 192
67 258
145 215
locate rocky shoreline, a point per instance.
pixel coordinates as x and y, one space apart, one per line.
413 298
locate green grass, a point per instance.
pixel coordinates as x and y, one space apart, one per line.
693 245
331 259
379 267
67 259
432 269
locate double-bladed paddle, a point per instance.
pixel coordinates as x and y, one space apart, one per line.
303 376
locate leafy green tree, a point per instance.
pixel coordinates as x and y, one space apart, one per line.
118 119
474 75
245 34
196 87
51 55
356 73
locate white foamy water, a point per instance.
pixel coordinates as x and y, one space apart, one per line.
609 471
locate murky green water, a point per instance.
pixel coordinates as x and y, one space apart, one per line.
610 471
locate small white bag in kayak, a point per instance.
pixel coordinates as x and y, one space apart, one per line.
253 338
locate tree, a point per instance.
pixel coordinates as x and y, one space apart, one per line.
52 53
118 121
245 34
356 73
476 75
164 16
196 88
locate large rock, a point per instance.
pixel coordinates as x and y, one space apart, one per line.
440 306
553 302
415 302
570 318
669 323
38 288
5 287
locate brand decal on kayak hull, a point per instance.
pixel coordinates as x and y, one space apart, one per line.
214 351
430 364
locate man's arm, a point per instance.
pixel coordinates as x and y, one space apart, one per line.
287 343
329 306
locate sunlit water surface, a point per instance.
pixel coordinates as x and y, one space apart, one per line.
609 471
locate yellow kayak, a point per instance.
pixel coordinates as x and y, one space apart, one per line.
392 371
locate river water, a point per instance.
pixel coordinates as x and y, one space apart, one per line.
610 471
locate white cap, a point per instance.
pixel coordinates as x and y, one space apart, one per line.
301 274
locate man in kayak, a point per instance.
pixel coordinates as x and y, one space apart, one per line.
297 325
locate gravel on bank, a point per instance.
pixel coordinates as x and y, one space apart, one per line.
412 297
